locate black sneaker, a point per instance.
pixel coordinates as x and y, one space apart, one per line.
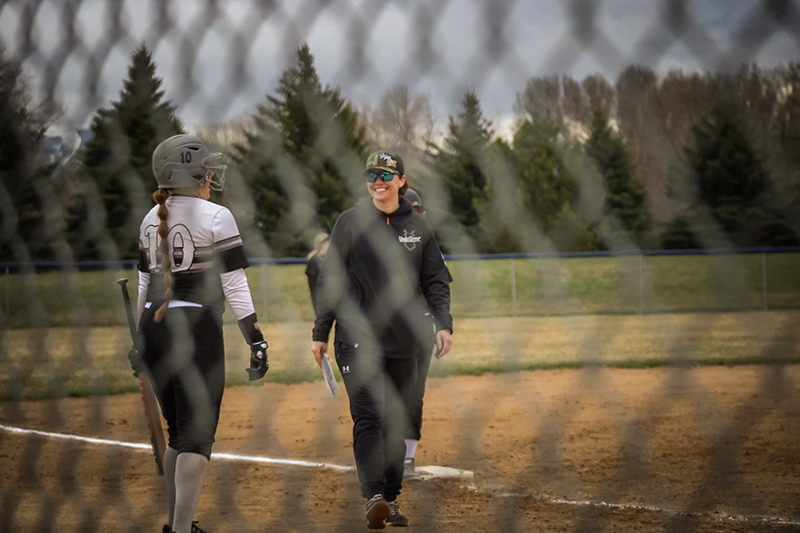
166 529
410 470
377 512
396 518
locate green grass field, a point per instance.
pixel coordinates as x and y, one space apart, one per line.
67 334
55 362
544 287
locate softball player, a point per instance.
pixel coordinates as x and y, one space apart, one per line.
191 260
383 270
426 350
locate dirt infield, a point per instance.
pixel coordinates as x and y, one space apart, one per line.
703 449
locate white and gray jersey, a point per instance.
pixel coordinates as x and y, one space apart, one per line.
204 245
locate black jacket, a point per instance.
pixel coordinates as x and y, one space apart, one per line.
381 275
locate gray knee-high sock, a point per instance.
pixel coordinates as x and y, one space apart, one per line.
190 471
170 456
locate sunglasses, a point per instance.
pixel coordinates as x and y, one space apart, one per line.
372 176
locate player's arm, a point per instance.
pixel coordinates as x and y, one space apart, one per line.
144 281
331 285
237 294
233 260
134 356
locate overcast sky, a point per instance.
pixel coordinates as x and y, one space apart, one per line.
435 47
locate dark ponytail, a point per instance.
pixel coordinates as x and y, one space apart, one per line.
160 196
402 191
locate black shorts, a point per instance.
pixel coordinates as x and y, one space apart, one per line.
185 358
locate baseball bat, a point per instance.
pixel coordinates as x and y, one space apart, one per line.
151 412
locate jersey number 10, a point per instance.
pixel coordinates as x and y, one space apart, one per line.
180 243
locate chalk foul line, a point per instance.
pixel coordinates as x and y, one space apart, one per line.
717 515
148 448
761 519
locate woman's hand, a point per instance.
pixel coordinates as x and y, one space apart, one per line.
318 348
444 341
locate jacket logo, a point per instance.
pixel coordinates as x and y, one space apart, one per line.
346 369
409 240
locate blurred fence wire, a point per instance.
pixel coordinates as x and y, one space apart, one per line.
585 187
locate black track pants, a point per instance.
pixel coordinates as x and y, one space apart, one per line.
426 349
378 389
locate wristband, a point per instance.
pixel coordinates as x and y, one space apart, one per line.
251 330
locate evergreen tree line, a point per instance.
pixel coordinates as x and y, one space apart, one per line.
691 160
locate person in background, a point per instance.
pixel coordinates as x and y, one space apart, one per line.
383 271
426 350
416 201
314 265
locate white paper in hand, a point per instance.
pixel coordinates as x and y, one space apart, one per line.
330 379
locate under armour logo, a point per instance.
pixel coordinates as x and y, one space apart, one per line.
346 369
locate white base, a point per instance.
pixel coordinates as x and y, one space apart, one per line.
443 472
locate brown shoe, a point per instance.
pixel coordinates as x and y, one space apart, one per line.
377 512
396 518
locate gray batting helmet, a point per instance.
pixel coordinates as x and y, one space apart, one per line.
185 161
412 196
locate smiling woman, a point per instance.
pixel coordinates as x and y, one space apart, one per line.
383 278
385 190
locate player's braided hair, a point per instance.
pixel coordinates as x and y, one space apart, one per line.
160 196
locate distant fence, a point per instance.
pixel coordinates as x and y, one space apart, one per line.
533 284
640 256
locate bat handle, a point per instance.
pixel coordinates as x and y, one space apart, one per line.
148 396
126 298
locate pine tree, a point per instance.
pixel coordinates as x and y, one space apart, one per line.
732 182
546 185
548 189
625 198
257 161
117 170
307 145
320 128
460 163
730 175
25 234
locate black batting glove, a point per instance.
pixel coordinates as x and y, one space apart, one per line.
136 361
259 361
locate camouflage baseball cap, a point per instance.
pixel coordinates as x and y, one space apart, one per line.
386 160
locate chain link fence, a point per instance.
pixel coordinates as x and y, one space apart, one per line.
678 414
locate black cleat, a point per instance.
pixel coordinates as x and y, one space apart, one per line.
410 471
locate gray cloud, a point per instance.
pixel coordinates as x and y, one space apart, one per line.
222 65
